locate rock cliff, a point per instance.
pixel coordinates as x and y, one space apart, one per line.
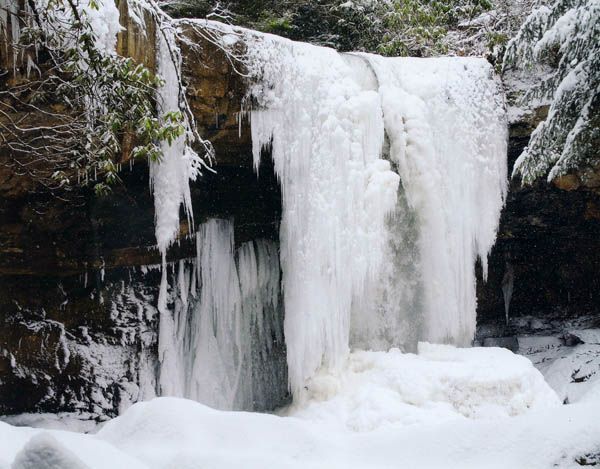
78 324
546 261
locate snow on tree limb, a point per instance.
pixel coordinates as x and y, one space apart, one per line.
565 39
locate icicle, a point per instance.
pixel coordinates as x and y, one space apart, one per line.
170 178
102 270
508 282
215 348
169 182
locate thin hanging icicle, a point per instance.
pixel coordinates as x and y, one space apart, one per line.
170 177
169 182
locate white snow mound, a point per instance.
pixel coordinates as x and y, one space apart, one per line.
43 451
384 410
440 383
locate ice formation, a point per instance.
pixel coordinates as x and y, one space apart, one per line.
438 384
326 136
103 18
343 131
170 177
215 345
446 125
393 175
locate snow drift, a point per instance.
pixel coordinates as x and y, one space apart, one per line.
454 414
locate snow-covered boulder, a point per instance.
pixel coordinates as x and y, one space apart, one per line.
43 451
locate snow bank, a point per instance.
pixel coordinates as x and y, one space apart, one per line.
441 383
43 451
170 432
445 407
22 445
73 421
573 371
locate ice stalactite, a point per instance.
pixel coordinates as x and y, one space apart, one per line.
508 283
225 321
169 180
170 177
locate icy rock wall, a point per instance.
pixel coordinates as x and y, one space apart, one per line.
217 339
325 117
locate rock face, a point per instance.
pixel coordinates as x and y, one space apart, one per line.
546 261
78 324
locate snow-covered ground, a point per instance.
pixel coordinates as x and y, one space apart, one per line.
444 407
570 363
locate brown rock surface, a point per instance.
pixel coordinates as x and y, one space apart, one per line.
71 337
549 235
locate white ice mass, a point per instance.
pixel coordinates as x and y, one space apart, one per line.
214 348
393 175
345 131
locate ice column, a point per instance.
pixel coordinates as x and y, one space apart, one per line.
225 323
326 135
445 119
326 118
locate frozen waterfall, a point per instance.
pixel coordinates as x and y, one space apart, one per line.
393 175
362 258
445 121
